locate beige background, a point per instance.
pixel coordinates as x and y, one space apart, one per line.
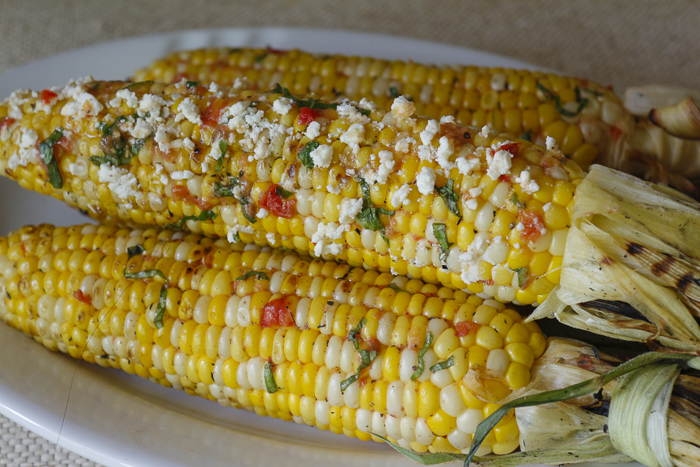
622 42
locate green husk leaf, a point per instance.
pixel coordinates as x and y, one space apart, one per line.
571 392
639 414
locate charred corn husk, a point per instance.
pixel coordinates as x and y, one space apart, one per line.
319 343
466 208
587 120
631 268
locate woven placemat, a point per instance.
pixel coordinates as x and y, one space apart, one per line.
623 43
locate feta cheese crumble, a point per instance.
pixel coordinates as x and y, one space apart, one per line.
426 181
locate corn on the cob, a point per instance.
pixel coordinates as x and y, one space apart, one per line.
387 190
533 105
320 343
588 121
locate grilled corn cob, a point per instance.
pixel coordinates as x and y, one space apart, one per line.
319 343
439 201
588 121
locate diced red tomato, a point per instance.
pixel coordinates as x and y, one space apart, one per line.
276 313
307 115
512 148
211 115
506 178
81 297
534 225
465 327
5 122
47 96
274 203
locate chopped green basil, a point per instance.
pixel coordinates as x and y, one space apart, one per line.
443 365
393 92
135 250
270 384
305 154
137 146
203 216
133 85
260 58
527 136
259 274
108 129
557 102
47 156
366 356
163 297
440 232
448 195
368 217
523 274
515 199
191 84
420 366
279 191
236 238
395 288
310 102
223 147
247 208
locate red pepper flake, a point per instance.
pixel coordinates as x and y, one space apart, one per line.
534 225
465 327
6 122
276 313
307 115
512 148
276 204
47 96
81 297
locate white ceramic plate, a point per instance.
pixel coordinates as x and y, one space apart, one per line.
121 420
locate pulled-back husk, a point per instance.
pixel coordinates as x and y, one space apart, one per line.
631 269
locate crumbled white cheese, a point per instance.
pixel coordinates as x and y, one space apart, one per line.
551 143
431 129
182 175
469 260
467 164
472 204
262 213
404 144
333 189
402 107
215 152
400 196
520 227
425 181
188 144
422 253
122 183
141 129
500 164
444 151
484 131
271 238
27 150
367 104
282 106
526 182
313 130
349 209
241 83
346 110
83 104
547 207
475 192
322 156
129 97
354 136
213 88
386 164
188 110
162 139
447 119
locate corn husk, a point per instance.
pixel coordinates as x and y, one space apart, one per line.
681 119
641 100
563 414
631 269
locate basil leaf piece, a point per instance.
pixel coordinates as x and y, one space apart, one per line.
279 191
310 102
221 191
448 195
440 232
260 275
162 298
522 276
368 217
47 156
236 238
305 154
366 357
191 84
557 102
527 136
133 85
137 146
270 384
515 199
203 216
443 365
223 147
393 92
420 366
108 129
135 250
395 288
